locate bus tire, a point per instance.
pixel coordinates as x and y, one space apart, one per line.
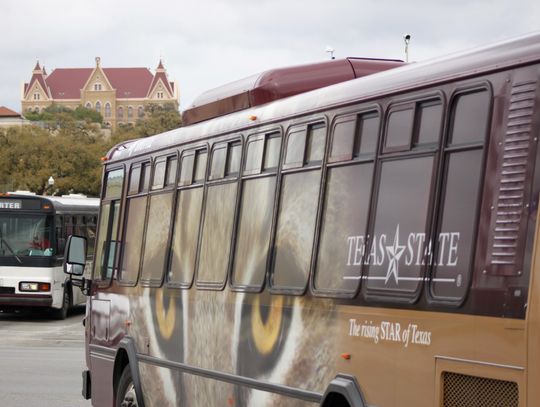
126 395
61 313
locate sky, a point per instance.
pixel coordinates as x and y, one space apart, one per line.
207 43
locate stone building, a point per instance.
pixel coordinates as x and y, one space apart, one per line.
119 94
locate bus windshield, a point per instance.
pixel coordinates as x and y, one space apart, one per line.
26 235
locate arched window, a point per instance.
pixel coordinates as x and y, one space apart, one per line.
141 111
107 109
98 106
120 113
88 105
36 109
130 112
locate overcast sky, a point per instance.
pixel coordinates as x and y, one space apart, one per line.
206 43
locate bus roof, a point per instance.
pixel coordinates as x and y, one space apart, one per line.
517 51
280 83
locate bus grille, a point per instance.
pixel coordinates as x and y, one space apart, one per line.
471 391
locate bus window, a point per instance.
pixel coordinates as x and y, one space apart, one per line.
272 150
254 155
234 156
108 224
298 206
218 224
296 142
26 235
68 226
394 254
343 139
470 117
254 226
343 228
91 234
187 219
186 169
113 184
185 236
59 231
134 179
343 231
134 229
455 242
399 129
145 177
295 229
430 118
255 222
200 166
216 233
456 233
110 245
355 136
316 137
159 173
219 156
368 132
157 237
170 177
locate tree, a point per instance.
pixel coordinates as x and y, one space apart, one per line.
30 155
157 119
69 148
54 115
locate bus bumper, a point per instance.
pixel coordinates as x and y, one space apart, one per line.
25 300
86 385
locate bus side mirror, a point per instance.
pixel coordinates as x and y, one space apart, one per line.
75 256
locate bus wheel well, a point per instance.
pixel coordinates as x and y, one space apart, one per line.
343 391
335 400
122 360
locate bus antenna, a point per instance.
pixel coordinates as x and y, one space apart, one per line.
407 39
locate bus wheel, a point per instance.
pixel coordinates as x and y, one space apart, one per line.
126 395
61 313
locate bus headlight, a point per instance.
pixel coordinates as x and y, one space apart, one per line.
34 286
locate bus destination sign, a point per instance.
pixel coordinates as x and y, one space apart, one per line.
10 204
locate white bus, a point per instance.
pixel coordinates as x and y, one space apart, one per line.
33 232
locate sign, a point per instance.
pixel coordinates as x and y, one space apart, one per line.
389 331
10 204
416 250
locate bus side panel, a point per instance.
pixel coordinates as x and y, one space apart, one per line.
533 326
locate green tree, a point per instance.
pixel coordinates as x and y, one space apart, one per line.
157 119
55 115
69 148
30 155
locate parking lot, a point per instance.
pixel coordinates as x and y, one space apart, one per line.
41 360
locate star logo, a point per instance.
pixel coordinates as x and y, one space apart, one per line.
394 253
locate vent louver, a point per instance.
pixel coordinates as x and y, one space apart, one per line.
511 201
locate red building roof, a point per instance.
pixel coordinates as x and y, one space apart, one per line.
66 83
129 82
5 112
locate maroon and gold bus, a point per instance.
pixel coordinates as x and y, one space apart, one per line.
346 234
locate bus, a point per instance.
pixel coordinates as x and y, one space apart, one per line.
33 231
331 236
